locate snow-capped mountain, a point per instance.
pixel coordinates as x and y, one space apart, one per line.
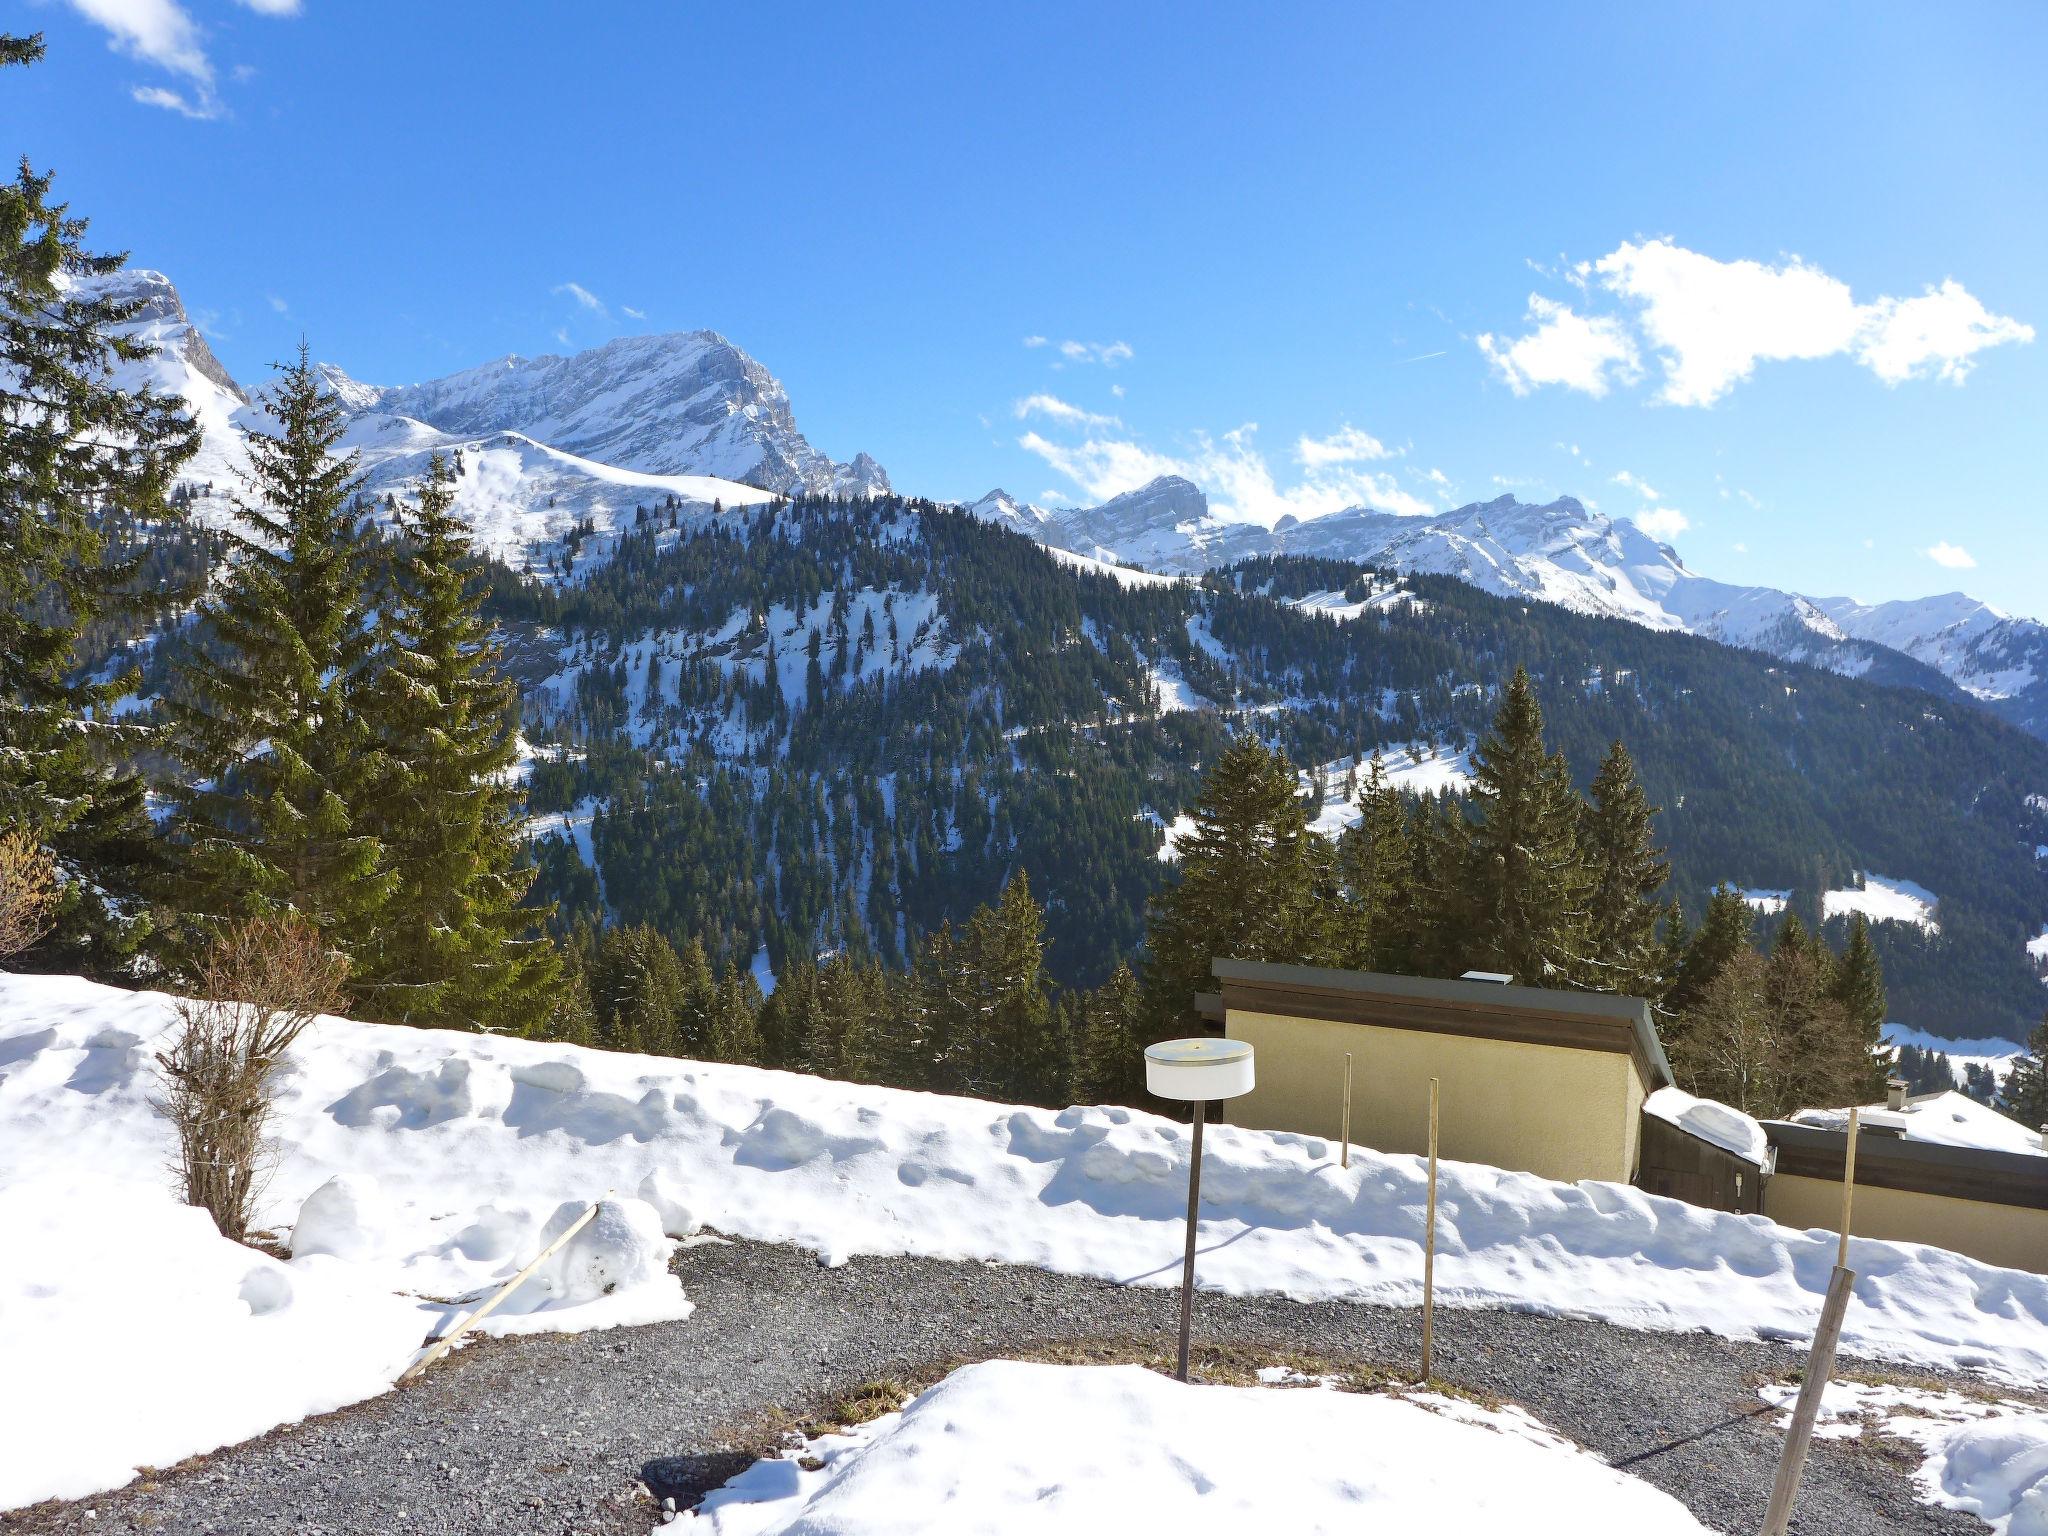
540 444
1992 656
689 403
1558 552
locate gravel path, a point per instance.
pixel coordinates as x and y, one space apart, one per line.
551 1435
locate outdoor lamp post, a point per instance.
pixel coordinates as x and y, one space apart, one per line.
1196 1071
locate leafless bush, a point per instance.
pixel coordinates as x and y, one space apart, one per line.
28 892
261 985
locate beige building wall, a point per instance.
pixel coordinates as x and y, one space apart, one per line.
2012 1236
1557 1111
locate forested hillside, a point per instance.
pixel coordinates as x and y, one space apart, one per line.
836 723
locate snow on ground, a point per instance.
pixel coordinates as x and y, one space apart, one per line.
2038 948
1122 575
1767 902
1884 899
573 824
1994 1053
1711 1121
1985 1457
459 1151
1949 1119
1006 1446
1169 846
144 1337
1436 769
1175 692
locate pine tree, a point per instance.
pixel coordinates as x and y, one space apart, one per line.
1527 886
77 451
1112 1063
1373 858
789 1017
1727 930
2025 1095
1020 1052
637 988
1251 877
1629 871
453 947
278 760
1857 987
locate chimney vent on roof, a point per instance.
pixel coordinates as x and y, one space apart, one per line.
1895 1093
1492 978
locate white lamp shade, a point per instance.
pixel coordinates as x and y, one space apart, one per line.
1198 1069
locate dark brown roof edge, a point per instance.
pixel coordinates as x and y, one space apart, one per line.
1538 1004
1913 1167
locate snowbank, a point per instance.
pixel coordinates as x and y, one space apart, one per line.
1011 1447
1985 1458
473 1143
1886 899
1949 1119
1720 1124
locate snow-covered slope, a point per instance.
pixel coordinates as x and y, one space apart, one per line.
1993 656
184 366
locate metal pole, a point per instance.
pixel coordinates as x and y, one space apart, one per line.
1187 1270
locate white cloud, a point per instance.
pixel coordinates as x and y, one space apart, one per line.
1936 333
277 303
162 33
1055 409
1662 523
1347 445
1232 471
1437 478
1708 323
1952 556
1584 352
562 335
1647 492
584 297
1109 354
631 313
1117 390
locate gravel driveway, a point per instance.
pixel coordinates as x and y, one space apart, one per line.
551 1434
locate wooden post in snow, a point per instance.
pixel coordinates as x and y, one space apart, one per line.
1820 1365
1848 1189
463 1324
1429 1248
1344 1131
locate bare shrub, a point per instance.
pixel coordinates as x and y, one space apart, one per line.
28 892
261 984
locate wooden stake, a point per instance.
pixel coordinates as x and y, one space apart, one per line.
447 1340
1820 1365
1346 1131
1429 1248
1848 1190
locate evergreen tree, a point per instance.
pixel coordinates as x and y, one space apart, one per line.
1857 987
637 988
1110 1022
78 452
1629 871
1727 930
1251 877
453 947
1528 889
1373 858
2025 1095
789 1017
279 764
1019 1052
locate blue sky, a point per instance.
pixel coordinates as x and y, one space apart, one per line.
1779 265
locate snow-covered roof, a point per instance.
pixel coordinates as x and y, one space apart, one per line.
1721 1124
1946 1119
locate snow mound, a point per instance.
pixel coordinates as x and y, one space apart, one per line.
1008 1446
620 1248
344 1217
135 1335
1721 1124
